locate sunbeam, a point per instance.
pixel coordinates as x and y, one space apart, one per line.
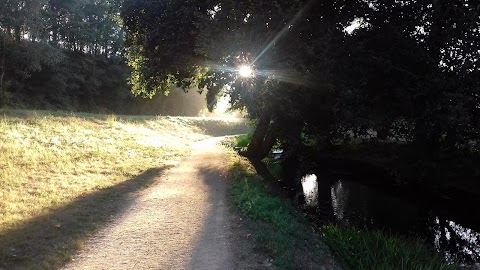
218 67
289 76
282 32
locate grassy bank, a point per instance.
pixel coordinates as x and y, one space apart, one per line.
362 249
285 236
280 230
62 175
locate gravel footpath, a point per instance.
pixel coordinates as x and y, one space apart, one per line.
181 222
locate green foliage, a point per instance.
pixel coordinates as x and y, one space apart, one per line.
86 25
371 250
74 81
243 140
161 43
62 54
25 58
42 76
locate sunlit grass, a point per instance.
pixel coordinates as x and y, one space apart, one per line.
47 160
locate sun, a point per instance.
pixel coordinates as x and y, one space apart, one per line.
245 71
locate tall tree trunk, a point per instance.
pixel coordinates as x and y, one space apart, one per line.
2 72
55 36
263 139
106 51
17 34
383 131
436 35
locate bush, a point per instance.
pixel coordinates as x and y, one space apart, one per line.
243 140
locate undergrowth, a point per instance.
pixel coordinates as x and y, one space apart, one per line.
242 141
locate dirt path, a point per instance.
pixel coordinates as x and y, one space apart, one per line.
181 222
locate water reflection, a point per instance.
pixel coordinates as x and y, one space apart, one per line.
351 203
310 189
339 200
356 204
453 239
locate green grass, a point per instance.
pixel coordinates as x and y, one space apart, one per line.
280 231
375 250
63 174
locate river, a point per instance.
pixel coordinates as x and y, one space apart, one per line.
449 226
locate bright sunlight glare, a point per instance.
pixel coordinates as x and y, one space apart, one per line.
245 71
222 105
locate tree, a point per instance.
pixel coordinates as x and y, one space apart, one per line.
220 36
21 16
2 64
410 64
411 72
37 68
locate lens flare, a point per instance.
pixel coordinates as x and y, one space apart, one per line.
245 71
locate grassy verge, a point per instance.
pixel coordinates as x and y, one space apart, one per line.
280 231
62 175
376 250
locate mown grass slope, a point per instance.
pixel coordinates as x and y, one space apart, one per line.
62 175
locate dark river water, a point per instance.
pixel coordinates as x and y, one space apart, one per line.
452 227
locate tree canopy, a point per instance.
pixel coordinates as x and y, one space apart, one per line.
69 55
407 69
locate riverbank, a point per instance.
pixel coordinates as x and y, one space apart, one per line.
292 242
278 230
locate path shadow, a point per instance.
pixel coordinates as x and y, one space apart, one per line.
223 241
50 240
211 249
